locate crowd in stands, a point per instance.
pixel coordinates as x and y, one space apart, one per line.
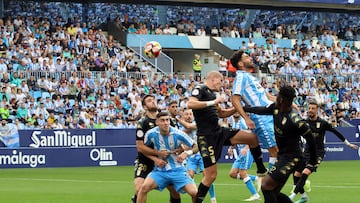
232 23
224 22
256 31
97 13
57 74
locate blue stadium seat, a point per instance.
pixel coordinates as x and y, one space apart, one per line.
45 94
71 102
37 94
51 94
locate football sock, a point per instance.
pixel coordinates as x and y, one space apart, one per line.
134 198
292 196
202 190
296 180
257 154
253 178
250 185
212 191
300 184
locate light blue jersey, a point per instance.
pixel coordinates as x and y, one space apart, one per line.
168 143
194 162
253 94
250 89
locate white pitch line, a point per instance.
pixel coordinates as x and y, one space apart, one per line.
315 186
64 180
111 181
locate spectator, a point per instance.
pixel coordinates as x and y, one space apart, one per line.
22 113
132 29
146 67
108 123
142 29
201 32
99 124
197 65
234 32
214 31
120 124
167 30
257 33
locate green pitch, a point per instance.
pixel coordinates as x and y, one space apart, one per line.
333 183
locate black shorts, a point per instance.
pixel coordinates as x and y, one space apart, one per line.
319 155
285 166
210 145
142 168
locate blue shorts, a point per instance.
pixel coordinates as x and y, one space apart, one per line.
194 163
264 130
243 161
176 177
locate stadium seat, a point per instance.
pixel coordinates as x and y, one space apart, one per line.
71 102
51 94
45 94
37 94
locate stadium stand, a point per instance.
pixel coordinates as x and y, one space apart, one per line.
62 63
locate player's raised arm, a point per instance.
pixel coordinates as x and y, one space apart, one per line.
187 125
262 110
148 151
194 102
340 136
271 97
236 102
224 113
